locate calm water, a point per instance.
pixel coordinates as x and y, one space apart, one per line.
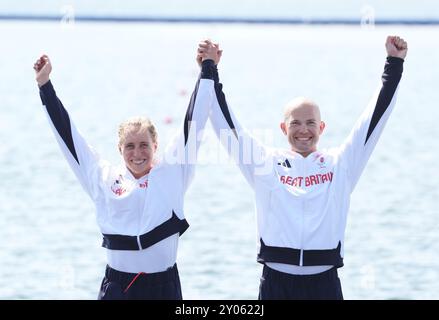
104 73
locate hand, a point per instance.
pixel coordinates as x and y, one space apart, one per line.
396 47
42 68
208 50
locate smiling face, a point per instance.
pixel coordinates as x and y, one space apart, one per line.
302 125
138 151
137 145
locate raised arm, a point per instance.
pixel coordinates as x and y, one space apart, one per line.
246 151
183 149
80 156
363 138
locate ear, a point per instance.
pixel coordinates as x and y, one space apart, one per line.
283 127
322 126
120 149
155 146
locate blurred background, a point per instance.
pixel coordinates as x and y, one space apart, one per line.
116 59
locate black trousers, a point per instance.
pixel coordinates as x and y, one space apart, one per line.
118 285
276 285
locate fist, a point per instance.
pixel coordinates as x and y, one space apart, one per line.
42 68
208 50
396 47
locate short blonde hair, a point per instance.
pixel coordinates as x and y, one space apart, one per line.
138 124
298 102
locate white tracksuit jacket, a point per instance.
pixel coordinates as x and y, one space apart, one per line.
126 207
302 203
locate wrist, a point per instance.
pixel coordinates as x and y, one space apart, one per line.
206 59
41 82
207 62
394 58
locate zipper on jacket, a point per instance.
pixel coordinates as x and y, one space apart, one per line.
143 209
301 233
302 202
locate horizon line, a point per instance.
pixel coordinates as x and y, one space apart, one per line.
225 20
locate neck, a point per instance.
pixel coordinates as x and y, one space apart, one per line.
140 175
303 153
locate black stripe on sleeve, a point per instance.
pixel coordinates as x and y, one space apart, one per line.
222 101
391 76
223 105
189 113
208 71
59 116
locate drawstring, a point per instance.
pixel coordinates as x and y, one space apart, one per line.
131 283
